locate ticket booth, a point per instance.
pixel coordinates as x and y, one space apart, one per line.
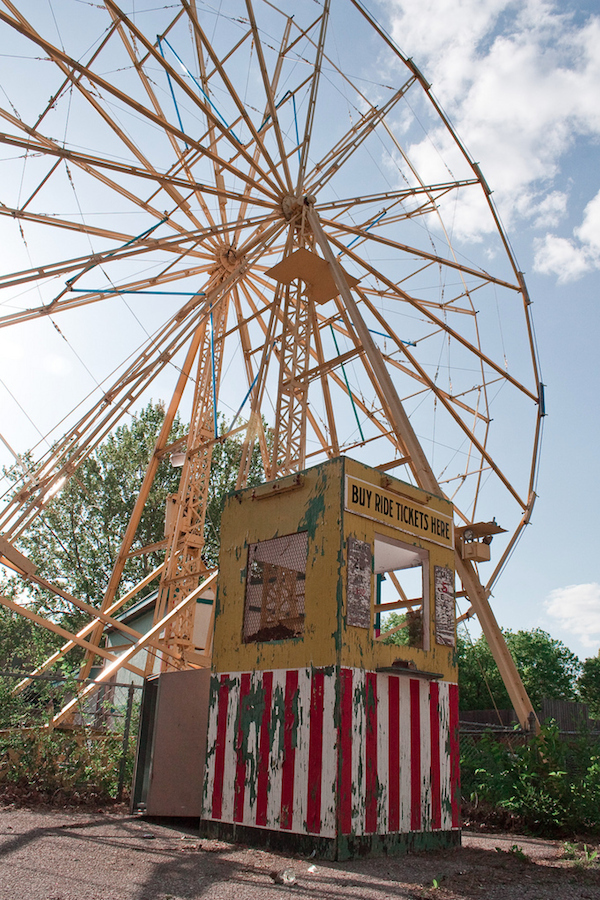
323 735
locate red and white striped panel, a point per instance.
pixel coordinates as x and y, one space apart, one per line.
277 739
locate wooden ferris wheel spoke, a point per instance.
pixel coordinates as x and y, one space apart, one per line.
424 254
204 106
312 100
69 301
352 140
182 202
435 190
450 406
415 371
89 163
67 224
442 306
439 322
219 67
61 462
270 98
450 398
44 146
99 82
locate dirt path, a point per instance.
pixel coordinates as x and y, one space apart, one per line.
73 855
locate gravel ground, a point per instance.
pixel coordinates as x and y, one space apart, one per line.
48 854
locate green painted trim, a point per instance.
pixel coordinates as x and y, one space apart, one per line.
341 848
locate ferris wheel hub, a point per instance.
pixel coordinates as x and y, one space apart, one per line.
291 207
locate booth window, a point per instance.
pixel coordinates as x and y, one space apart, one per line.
274 604
402 587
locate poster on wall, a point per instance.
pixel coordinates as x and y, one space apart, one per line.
359 583
444 606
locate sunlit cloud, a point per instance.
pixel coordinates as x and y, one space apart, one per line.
572 257
577 609
520 82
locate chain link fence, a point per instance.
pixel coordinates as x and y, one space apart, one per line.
90 753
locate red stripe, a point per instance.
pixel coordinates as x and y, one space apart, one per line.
220 746
239 789
415 756
394 754
264 751
289 749
454 756
345 755
315 753
434 727
371 783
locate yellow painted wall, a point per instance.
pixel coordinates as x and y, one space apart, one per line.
318 506
357 645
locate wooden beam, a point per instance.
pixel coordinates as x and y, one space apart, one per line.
124 658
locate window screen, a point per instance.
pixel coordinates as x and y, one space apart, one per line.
274 606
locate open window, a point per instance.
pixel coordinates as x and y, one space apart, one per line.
402 588
274 603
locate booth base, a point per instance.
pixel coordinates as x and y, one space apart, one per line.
340 848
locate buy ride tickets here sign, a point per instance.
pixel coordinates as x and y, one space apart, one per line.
393 509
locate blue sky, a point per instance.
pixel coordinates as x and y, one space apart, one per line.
520 82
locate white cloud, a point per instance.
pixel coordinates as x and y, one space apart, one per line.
577 609
520 80
560 256
551 209
572 257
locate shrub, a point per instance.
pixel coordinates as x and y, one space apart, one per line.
551 786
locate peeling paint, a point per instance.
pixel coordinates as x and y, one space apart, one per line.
343 728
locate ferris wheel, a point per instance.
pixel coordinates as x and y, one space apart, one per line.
259 211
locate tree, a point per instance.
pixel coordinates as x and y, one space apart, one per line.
547 667
75 541
226 460
589 685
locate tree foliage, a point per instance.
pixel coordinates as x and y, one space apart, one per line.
545 785
589 685
75 541
547 667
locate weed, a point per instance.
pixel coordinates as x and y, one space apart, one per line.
569 850
549 785
515 851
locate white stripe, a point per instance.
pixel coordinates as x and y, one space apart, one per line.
404 754
251 751
425 755
358 751
233 707
276 755
211 740
445 785
329 768
383 751
302 748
